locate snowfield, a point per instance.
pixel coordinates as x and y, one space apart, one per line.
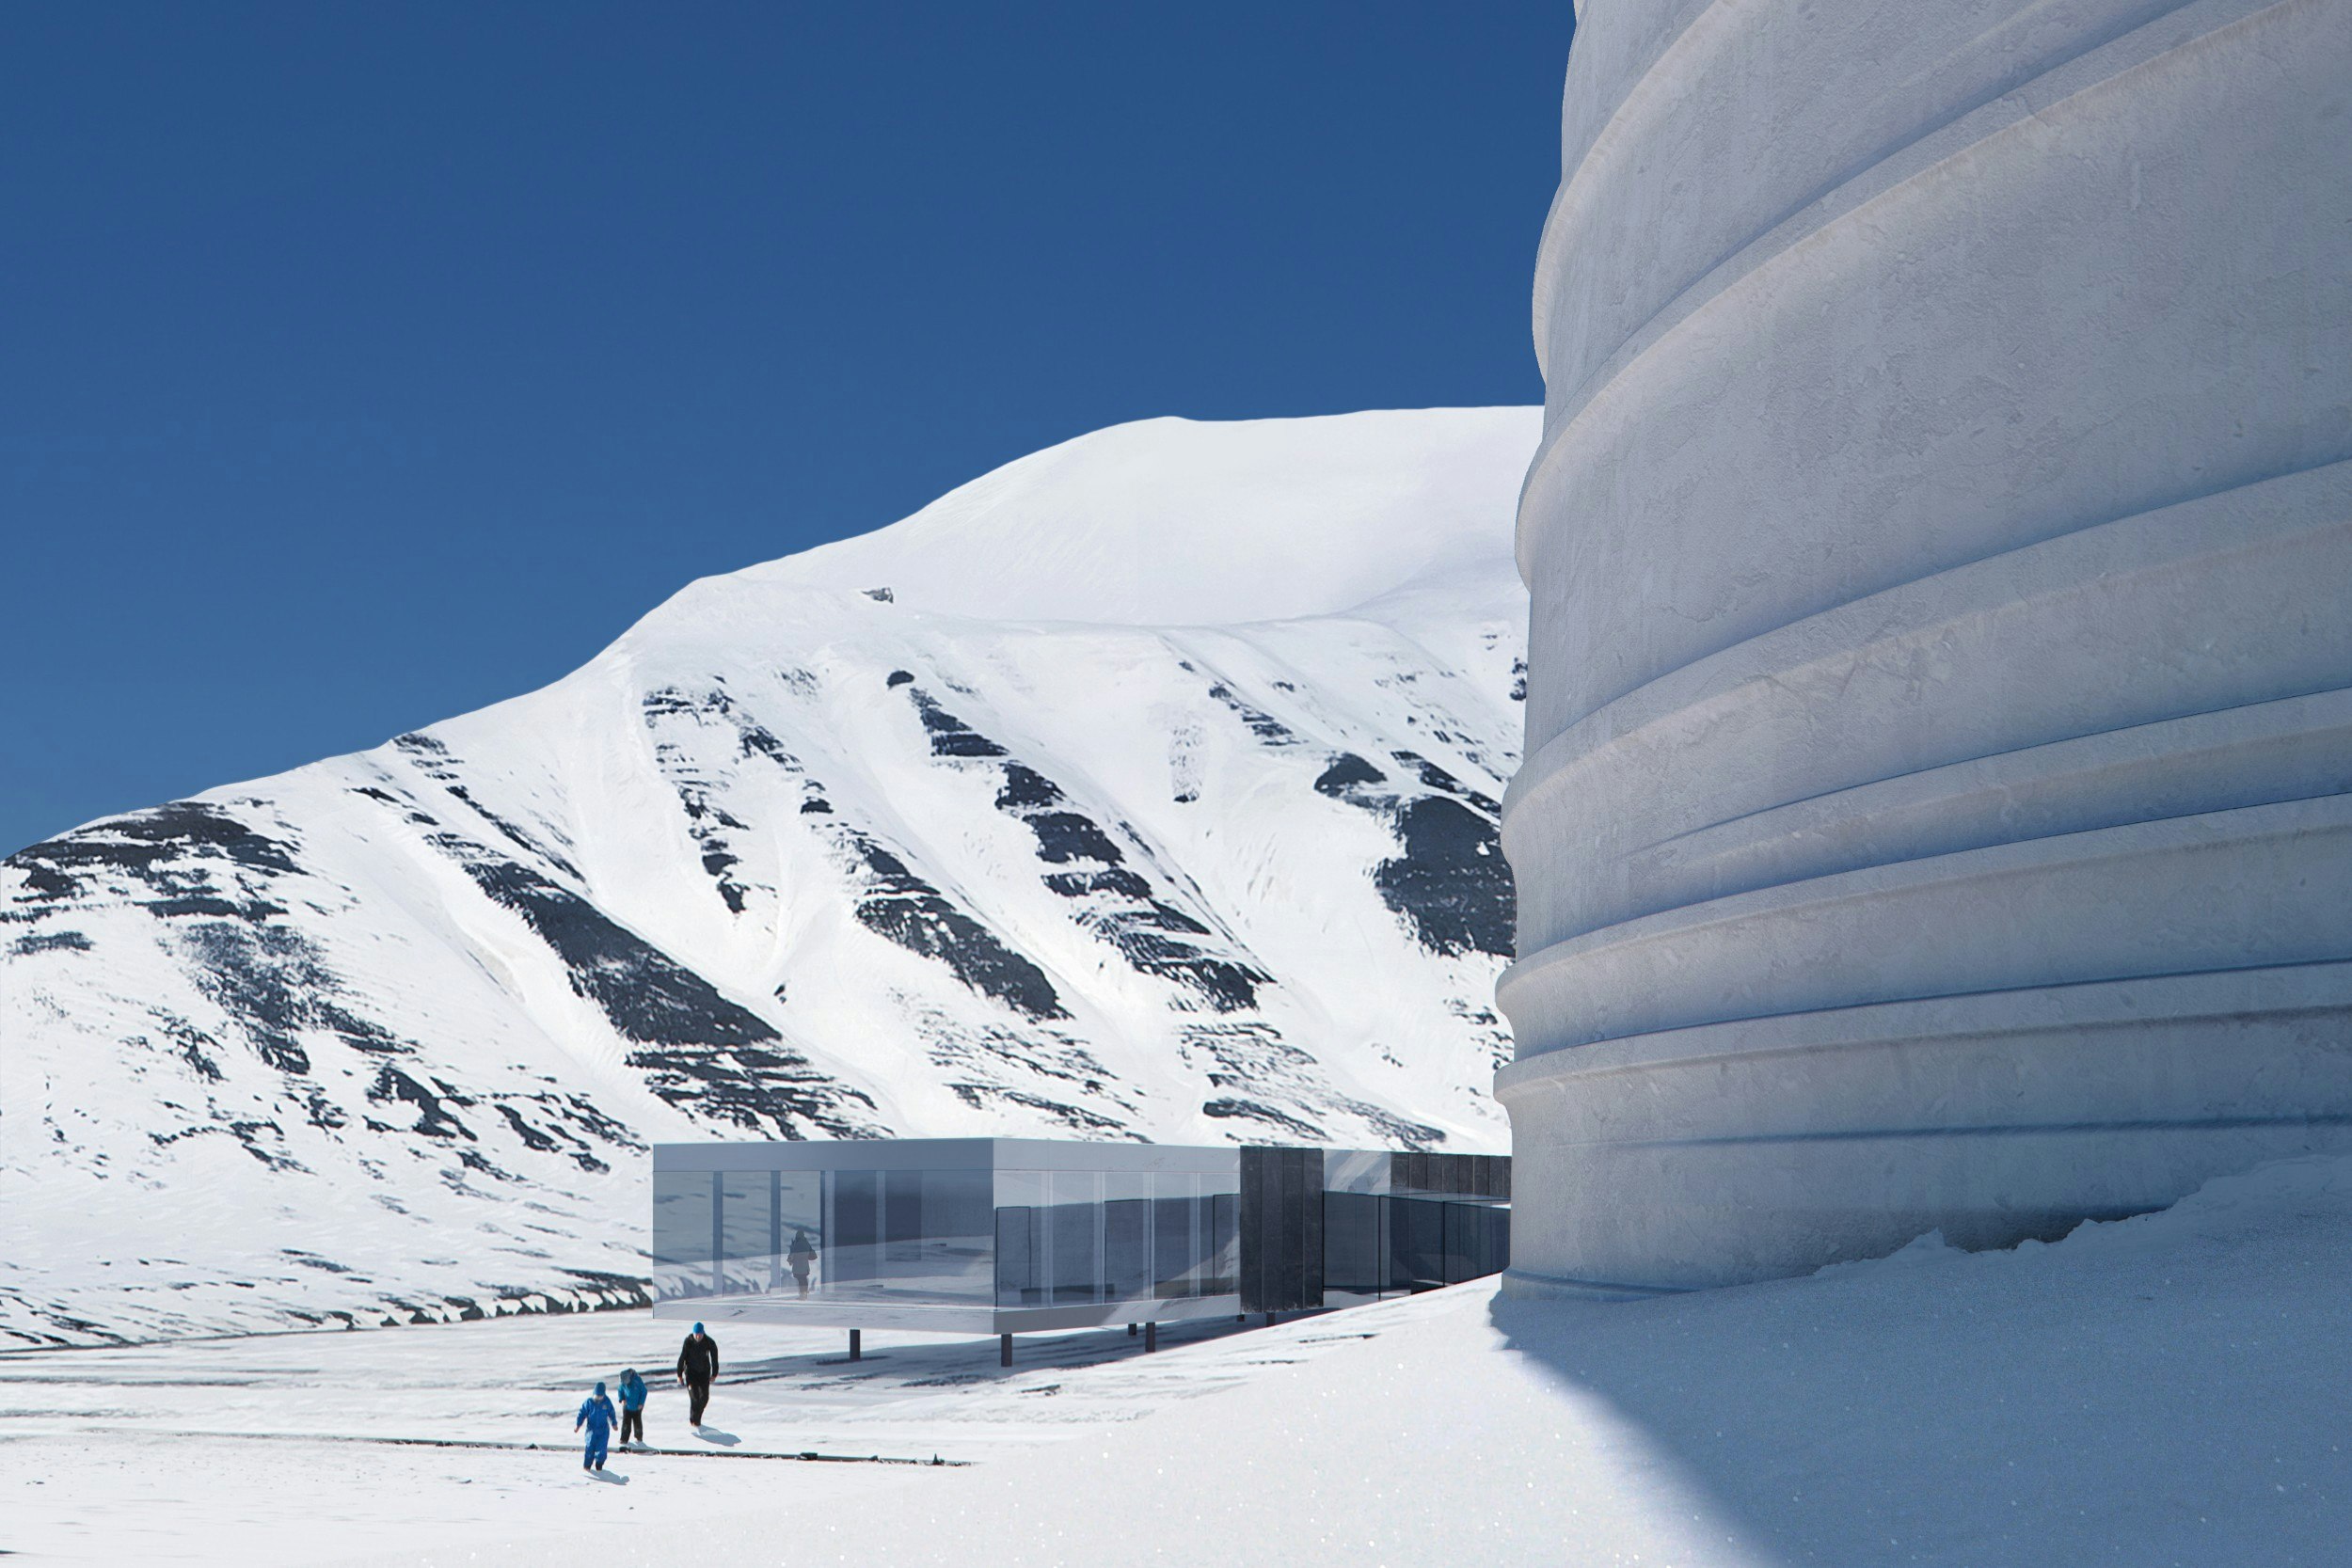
2166 1389
1145 789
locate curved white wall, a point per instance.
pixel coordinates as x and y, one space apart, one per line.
1935 809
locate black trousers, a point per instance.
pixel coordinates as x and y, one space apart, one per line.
698 1397
632 1422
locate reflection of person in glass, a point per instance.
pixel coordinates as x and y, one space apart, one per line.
801 1257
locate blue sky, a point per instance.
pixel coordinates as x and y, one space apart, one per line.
363 364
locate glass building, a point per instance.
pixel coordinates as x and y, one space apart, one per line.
1002 1235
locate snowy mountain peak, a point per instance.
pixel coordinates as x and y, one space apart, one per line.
1155 798
1178 522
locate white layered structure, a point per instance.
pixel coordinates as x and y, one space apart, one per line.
1940 712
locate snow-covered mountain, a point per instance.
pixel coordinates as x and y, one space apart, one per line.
1143 788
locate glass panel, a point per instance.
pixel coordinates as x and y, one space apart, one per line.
1479 1240
902 1216
681 1233
1417 1242
800 1228
1355 1171
1021 1237
1175 1242
746 1230
853 1198
1220 1269
1020 1240
1073 1256
955 1204
875 1236
1126 1235
1025 1189
955 1239
1352 1253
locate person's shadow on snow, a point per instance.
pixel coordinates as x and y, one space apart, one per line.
712 1434
609 1478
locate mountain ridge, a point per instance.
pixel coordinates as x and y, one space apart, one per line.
792 858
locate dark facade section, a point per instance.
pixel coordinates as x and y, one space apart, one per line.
1379 1244
1451 1175
1281 1230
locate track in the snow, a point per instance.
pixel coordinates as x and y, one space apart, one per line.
808 1457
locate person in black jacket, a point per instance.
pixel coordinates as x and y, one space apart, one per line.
697 1367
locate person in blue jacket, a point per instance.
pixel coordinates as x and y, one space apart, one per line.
596 1414
632 1392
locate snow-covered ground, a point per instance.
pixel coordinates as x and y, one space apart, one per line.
2168 1389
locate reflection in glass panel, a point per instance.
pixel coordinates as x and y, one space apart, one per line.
956 1206
1478 1241
1019 1260
1356 1170
957 1235
1220 1270
800 1228
1073 1227
1353 1249
681 1233
747 1240
1017 1238
1175 1238
1020 1238
1021 1188
900 1236
854 1220
1068 1238
902 1216
1126 1235
1416 1243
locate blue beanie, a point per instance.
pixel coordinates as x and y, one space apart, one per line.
600 1388
698 1328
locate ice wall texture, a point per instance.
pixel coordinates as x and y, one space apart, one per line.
1939 709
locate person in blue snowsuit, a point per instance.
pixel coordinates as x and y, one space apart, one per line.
632 1392
596 1414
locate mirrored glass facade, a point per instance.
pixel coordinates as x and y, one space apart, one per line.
1400 1223
978 1234
1377 1244
1074 1237
1000 1235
